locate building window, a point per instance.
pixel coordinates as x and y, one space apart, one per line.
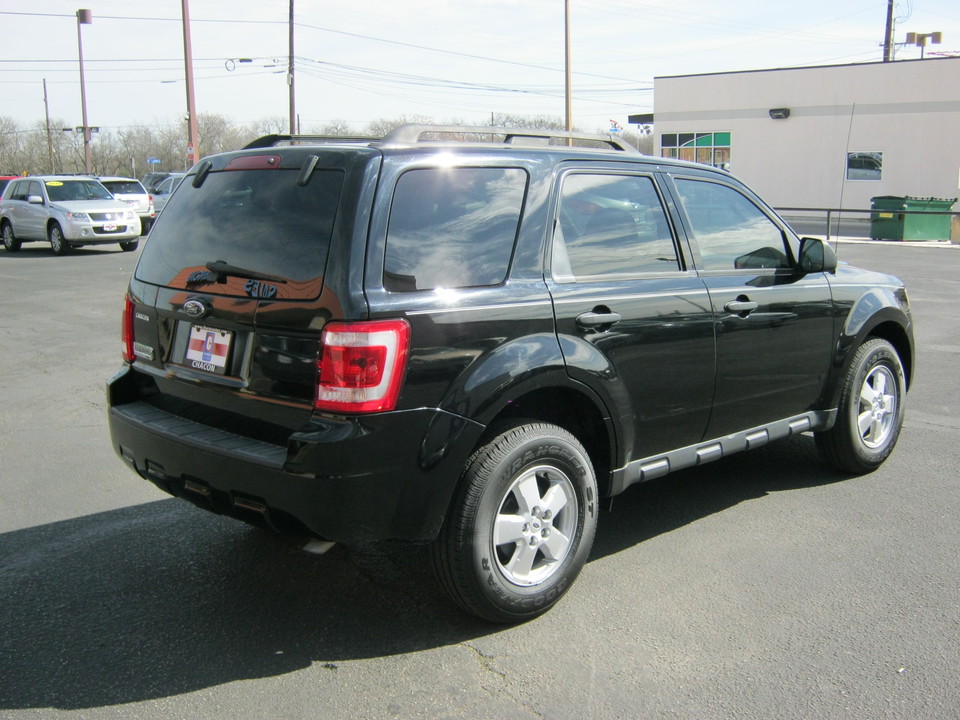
864 165
707 148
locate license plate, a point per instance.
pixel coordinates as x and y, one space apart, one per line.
208 349
109 227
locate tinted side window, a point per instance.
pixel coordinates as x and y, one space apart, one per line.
611 225
452 227
731 232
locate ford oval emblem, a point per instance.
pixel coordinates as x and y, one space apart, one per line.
195 308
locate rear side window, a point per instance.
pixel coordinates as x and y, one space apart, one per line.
609 225
260 220
452 227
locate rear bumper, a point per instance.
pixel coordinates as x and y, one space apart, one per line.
383 476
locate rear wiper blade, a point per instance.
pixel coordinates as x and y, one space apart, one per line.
223 270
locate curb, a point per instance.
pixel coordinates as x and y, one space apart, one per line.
944 244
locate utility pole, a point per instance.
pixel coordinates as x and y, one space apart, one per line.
46 110
193 150
290 83
888 35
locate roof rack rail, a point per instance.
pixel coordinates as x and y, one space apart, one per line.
413 133
274 140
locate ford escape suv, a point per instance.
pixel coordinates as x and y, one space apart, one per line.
471 342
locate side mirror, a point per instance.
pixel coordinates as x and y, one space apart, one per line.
816 256
35 199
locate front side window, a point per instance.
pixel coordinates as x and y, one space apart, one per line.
611 224
452 227
731 231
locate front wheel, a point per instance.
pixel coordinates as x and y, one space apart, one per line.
521 524
870 415
130 246
57 242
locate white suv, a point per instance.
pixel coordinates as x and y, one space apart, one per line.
66 211
133 193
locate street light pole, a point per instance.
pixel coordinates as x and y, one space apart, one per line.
566 65
84 17
290 80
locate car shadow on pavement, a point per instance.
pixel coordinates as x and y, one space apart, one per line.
32 251
649 509
162 599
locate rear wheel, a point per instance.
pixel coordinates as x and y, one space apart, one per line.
871 410
521 525
10 242
57 242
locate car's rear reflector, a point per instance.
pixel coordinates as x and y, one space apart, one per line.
362 365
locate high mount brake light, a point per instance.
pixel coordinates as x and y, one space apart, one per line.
126 330
362 365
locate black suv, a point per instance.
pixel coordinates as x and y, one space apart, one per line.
471 343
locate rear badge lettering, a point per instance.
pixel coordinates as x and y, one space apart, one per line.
143 351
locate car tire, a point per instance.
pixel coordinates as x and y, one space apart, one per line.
521 524
130 246
871 411
10 241
58 243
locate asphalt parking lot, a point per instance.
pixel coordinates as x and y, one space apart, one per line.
763 586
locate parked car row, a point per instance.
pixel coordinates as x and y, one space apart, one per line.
76 210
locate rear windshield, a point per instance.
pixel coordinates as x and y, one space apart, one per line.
124 187
261 221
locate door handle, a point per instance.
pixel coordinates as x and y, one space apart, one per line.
741 306
596 319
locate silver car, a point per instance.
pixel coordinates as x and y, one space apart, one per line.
165 190
66 211
134 194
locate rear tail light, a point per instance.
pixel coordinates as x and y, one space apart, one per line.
362 365
126 330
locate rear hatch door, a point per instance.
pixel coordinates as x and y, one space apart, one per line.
234 285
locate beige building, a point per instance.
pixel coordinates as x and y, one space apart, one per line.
821 137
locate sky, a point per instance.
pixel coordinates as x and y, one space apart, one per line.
446 60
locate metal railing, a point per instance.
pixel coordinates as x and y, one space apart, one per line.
833 217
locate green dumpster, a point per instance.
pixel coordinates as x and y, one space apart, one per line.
888 221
